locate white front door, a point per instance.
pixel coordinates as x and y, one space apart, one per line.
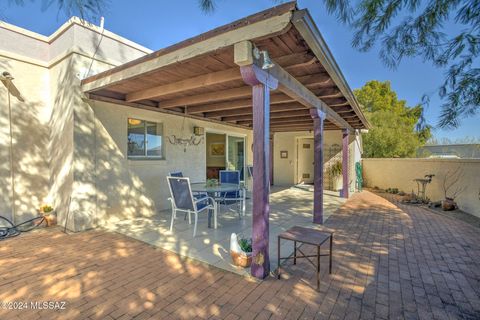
305 153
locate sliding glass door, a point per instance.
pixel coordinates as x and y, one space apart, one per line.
236 154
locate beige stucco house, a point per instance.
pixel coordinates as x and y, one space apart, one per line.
79 153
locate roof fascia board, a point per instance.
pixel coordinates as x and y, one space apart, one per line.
303 22
271 26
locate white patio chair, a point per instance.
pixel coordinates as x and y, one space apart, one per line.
182 199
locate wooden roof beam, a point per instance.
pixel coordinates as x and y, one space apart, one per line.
304 124
295 60
219 109
213 78
346 103
212 108
300 128
241 92
274 107
342 109
185 85
273 115
92 96
281 121
234 93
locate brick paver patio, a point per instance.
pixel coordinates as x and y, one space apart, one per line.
389 262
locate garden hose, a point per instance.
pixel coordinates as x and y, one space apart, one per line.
11 230
359 174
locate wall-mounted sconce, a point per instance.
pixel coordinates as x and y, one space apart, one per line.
134 122
267 62
198 131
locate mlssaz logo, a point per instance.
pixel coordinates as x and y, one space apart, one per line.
48 305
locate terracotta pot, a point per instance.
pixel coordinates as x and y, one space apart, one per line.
241 259
50 219
448 204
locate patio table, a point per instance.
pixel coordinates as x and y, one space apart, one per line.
201 187
307 236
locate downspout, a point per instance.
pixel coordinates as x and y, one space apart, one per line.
12 175
7 78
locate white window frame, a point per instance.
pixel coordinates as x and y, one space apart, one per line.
145 156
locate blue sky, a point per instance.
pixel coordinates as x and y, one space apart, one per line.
156 24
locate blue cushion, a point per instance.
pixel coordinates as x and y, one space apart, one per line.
202 203
177 174
232 194
229 176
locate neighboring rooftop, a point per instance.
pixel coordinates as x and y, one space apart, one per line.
463 151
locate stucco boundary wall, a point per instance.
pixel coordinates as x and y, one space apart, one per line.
400 173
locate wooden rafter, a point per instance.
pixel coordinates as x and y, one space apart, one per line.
278 130
155 109
220 106
290 125
342 109
213 78
204 80
295 60
340 104
303 120
273 115
300 127
245 110
242 92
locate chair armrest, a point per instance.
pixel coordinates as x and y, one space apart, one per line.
210 199
195 200
172 202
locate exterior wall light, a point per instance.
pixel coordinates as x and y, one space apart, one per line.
198 131
267 62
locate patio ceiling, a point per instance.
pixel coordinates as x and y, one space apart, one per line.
199 77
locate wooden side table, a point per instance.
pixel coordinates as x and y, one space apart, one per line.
308 236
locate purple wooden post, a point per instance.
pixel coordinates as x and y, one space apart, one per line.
345 143
318 118
261 84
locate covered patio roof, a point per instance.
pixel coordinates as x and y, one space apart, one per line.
200 77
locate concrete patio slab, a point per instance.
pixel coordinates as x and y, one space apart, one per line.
288 207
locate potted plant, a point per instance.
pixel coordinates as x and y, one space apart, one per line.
452 188
241 250
334 172
211 182
49 214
